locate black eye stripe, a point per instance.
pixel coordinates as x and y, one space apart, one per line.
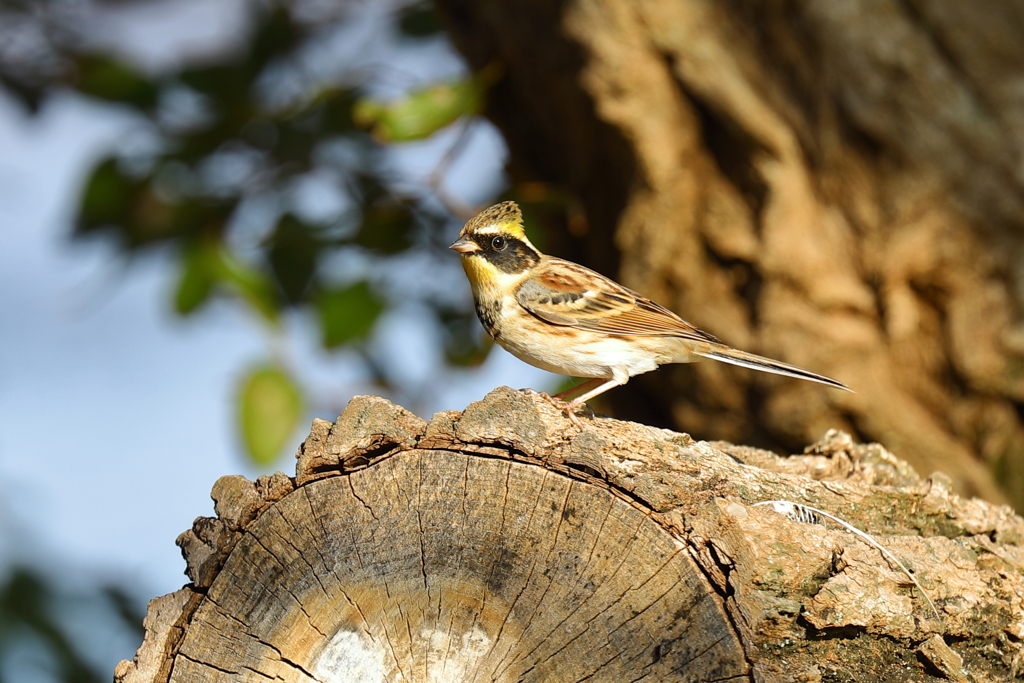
514 257
486 242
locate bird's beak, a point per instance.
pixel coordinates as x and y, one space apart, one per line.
464 245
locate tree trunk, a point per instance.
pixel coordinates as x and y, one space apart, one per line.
503 544
835 184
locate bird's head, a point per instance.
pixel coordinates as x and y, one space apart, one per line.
494 246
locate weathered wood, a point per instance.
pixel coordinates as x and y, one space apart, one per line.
502 544
435 565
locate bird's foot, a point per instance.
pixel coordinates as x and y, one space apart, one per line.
568 407
571 414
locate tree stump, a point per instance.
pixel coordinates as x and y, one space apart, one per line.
503 544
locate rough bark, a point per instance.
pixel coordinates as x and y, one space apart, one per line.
836 184
503 544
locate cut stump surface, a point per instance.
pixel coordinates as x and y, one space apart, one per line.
435 565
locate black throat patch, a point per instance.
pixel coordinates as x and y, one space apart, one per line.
488 316
515 257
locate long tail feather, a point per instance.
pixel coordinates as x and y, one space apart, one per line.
728 354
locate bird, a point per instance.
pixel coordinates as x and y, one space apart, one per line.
565 318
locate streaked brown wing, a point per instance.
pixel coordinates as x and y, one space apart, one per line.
565 293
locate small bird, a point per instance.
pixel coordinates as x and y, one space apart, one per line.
562 317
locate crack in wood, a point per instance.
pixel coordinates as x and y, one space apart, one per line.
545 563
285 660
582 603
299 603
229 672
696 656
261 674
356 496
631 589
364 624
312 570
526 584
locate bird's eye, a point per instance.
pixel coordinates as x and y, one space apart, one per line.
499 243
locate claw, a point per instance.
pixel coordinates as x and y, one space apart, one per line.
568 407
570 412
554 400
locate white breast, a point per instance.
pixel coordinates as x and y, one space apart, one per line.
580 353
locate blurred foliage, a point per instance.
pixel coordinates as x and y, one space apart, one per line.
419 20
215 174
463 343
422 112
270 407
347 313
206 265
32 611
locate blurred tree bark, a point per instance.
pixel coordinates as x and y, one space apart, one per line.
837 185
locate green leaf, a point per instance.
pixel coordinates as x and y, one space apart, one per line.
107 199
421 113
251 284
293 252
348 313
270 407
208 263
198 276
115 81
132 210
419 20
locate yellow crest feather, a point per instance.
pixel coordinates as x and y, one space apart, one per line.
506 215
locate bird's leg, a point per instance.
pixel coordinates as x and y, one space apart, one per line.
570 406
571 415
608 384
564 395
561 400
